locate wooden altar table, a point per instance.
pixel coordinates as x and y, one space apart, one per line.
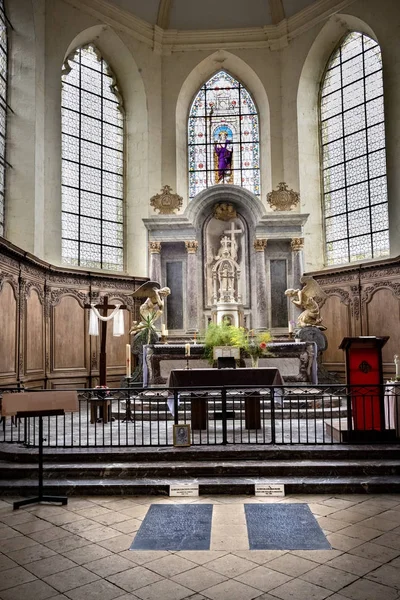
192 378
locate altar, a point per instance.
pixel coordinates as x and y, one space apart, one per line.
297 362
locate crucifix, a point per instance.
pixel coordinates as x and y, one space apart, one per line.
103 309
232 232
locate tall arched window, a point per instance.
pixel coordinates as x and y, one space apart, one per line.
92 163
3 108
353 153
223 136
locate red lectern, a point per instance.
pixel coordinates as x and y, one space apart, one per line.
363 360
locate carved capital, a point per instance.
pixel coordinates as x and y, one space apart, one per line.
260 244
282 198
155 247
191 246
297 244
166 203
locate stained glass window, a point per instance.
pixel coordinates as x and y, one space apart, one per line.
92 164
223 136
3 108
353 153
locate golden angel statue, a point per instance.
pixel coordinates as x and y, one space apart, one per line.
153 306
305 299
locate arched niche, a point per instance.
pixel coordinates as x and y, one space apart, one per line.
238 68
308 129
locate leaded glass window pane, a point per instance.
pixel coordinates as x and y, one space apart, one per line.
92 164
223 136
3 107
353 153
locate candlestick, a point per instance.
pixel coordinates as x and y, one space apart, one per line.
128 360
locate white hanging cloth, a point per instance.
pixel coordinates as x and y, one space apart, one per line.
93 323
118 325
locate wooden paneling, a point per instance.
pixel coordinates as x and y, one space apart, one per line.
382 315
68 335
34 335
8 331
44 339
337 320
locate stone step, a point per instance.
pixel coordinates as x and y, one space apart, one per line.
207 486
249 468
258 452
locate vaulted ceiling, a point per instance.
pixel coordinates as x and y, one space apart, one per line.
212 14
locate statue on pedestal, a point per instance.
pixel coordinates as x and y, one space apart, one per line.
304 298
153 306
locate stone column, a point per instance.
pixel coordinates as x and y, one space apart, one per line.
155 262
192 292
297 245
261 313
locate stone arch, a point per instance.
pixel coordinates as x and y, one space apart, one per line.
249 206
308 125
239 69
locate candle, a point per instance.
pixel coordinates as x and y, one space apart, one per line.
187 349
128 360
163 330
397 363
290 325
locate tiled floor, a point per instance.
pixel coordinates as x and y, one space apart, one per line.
81 552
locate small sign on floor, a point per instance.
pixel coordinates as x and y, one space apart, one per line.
269 489
184 489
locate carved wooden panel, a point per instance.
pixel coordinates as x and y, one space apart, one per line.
116 345
34 334
337 319
382 317
69 335
8 331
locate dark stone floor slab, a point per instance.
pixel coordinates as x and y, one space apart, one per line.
283 527
175 527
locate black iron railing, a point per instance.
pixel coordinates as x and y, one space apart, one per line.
295 414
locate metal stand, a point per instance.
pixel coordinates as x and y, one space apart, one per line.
41 496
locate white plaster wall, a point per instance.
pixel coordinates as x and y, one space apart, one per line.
157 89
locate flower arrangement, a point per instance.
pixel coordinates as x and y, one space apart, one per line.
253 344
104 391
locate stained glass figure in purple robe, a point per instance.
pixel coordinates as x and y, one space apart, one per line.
224 154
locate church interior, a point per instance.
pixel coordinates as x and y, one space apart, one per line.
167 167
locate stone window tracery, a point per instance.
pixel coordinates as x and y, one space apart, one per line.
3 107
223 136
352 136
92 163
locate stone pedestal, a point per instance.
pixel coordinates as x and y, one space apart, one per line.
314 334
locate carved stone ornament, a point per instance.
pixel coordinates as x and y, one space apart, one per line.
191 246
166 202
282 198
224 211
260 244
155 247
297 244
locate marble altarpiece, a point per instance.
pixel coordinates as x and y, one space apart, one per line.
226 256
